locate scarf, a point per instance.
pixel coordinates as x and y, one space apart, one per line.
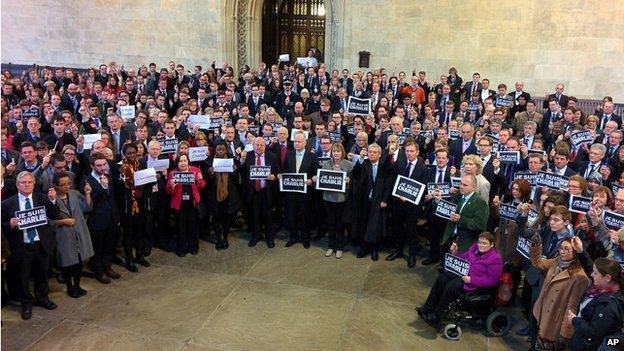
595 290
562 265
127 170
222 185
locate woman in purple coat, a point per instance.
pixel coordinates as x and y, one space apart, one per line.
486 268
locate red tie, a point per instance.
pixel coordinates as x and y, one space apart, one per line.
258 183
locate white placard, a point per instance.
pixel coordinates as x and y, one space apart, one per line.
158 165
202 120
127 113
284 57
224 165
198 153
145 176
89 139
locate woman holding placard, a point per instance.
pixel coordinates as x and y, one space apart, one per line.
222 198
184 201
485 270
334 200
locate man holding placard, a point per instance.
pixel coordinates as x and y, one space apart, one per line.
300 160
258 187
31 243
405 214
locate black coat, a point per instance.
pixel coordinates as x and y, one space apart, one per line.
15 236
368 225
309 166
104 210
600 317
233 198
248 185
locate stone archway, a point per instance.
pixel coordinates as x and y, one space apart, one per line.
242 32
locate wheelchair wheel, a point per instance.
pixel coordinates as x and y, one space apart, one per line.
452 332
498 323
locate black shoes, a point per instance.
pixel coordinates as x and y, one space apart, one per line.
26 311
131 267
429 261
411 261
142 261
112 274
374 256
194 252
362 254
306 244
81 291
72 292
102 278
393 256
253 242
291 243
270 243
46 303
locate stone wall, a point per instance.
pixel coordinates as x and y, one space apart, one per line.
85 33
579 43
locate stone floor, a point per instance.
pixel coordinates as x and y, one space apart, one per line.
246 299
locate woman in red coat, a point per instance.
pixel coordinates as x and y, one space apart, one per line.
184 201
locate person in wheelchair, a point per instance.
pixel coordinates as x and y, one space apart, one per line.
486 268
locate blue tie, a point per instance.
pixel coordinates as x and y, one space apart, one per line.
31 233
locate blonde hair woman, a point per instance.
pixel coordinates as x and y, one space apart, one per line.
472 165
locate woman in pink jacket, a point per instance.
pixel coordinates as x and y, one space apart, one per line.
486 268
184 201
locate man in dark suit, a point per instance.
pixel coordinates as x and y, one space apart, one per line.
463 146
596 153
254 101
471 217
59 138
300 161
440 173
346 82
30 248
486 92
562 100
119 134
33 134
498 183
560 162
260 193
71 100
405 214
103 219
286 99
474 86
370 192
516 94
607 115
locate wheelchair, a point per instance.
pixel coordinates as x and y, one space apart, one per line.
477 307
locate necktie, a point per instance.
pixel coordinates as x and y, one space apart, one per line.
591 170
31 233
460 203
509 173
374 172
298 162
258 182
474 88
440 176
407 169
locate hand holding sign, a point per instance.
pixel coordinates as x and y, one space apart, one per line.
87 189
14 222
577 244
454 249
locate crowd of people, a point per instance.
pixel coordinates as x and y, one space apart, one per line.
151 158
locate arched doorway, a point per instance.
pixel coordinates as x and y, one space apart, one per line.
293 27
241 34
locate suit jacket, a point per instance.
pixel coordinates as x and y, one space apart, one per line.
498 182
104 211
67 104
253 107
613 117
473 221
65 139
309 166
455 150
248 185
9 155
563 100
420 173
468 89
15 236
